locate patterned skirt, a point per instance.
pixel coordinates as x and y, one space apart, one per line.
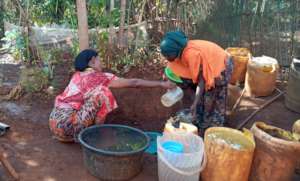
66 123
211 108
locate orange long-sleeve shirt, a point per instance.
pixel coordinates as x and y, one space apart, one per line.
202 55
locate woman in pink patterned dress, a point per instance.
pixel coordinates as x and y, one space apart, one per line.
87 99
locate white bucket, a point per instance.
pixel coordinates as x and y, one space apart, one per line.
185 166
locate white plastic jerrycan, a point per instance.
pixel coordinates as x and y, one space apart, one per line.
172 96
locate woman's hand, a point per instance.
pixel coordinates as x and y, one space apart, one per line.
168 85
164 77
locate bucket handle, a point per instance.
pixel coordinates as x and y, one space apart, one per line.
274 68
203 165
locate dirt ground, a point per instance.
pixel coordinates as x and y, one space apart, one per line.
35 155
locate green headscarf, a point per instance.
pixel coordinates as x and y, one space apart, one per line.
173 43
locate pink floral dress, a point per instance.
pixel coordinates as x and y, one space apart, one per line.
85 101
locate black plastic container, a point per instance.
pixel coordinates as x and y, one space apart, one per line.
113 152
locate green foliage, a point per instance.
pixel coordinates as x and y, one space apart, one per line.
122 61
98 14
53 11
74 47
100 42
16 43
33 79
53 57
44 12
49 59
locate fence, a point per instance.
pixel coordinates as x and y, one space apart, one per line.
267 27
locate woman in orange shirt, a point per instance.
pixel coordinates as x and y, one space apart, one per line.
208 67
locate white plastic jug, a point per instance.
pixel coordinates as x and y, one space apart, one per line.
172 96
185 166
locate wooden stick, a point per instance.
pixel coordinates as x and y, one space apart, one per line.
260 108
9 168
238 101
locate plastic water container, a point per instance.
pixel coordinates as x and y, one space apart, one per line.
180 157
183 127
240 57
229 154
172 96
261 76
152 149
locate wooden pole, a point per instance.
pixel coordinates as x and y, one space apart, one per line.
122 24
83 33
244 122
8 166
238 101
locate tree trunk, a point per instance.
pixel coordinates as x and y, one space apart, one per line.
83 33
1 20
111 26
122 23
139 21
111 35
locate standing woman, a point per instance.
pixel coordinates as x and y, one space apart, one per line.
88 99
208 67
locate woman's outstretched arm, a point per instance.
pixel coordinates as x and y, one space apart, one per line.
137 83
